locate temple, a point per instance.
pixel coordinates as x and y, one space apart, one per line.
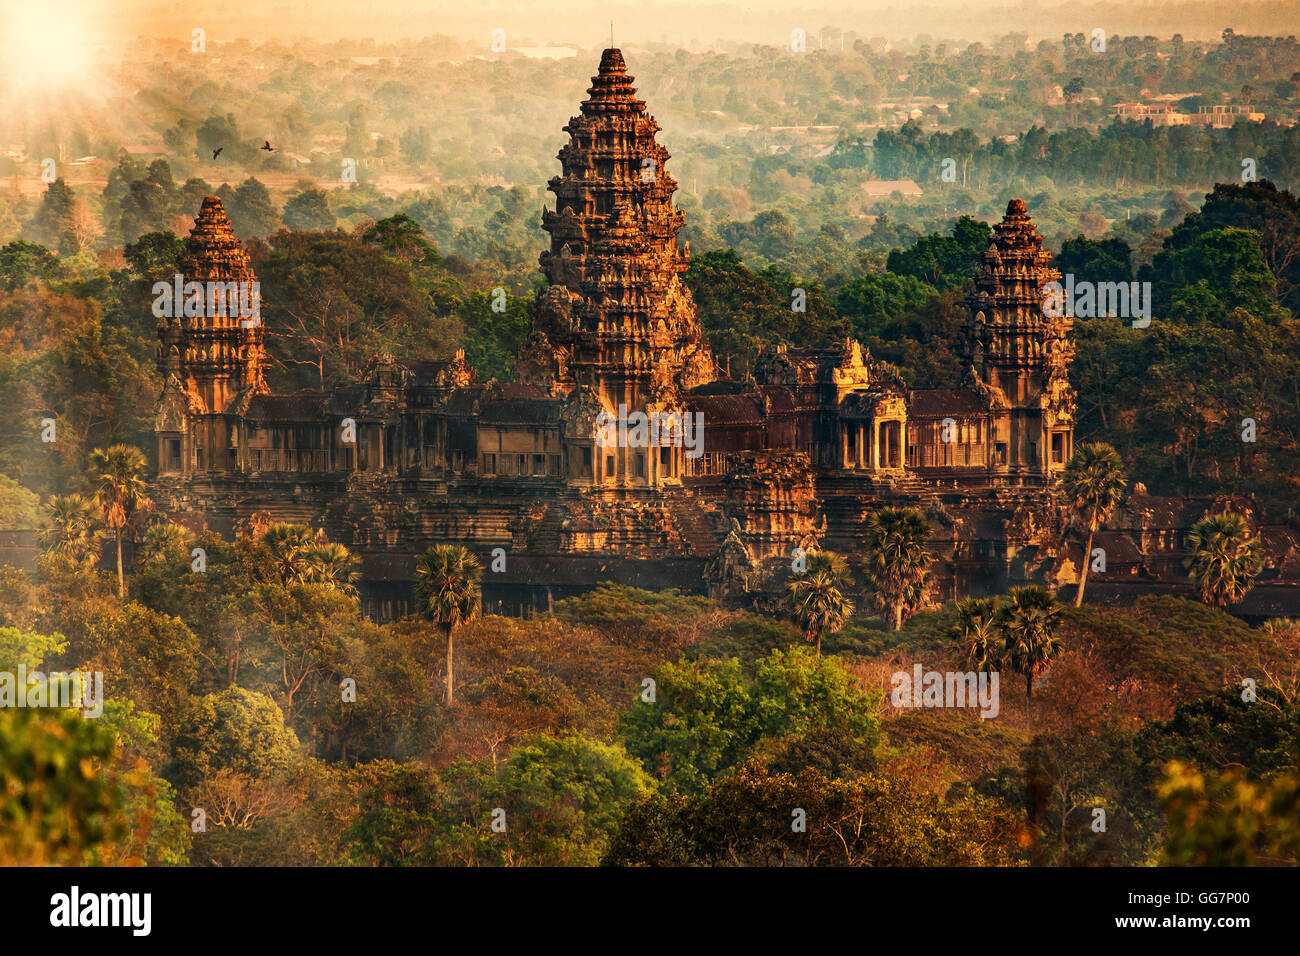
622 451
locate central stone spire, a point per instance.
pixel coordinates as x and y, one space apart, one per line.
618 317
1020 352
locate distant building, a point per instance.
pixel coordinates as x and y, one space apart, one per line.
1167 114
1160 114
1224 117
883 188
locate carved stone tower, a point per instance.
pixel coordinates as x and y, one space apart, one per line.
1021 354
210 349
618 317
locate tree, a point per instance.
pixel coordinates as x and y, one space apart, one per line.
22 261
817 606
401 237
331 564
1096 260
700 725
251 210
977 634
309 210
53 215
447 584
1224 558
59 806
289 544
1090 488
1028 621
69 529
568 796
745 819
236 730
895 562
812 714
1224 819
117 473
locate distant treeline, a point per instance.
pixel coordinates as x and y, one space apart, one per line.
1124 154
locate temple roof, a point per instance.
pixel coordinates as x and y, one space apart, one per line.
940 402
299 407
213 251
611 89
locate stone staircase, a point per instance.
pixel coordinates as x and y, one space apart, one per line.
697 530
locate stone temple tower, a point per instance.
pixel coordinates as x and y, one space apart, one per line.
210 349
617 317
1020 354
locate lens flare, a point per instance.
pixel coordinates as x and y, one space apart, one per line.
48 46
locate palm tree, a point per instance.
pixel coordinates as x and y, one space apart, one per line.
977 635
834 565
1224 558
447 579
332 565
895 562
1091 487
288 544
1028 622
117 473
161 540
817 605
69 528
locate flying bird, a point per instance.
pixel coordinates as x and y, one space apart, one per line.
217 152
266 145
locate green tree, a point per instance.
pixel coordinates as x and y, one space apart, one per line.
308 210
817 606
895 562
251 209
1224 558
447 584
700 725
59 806
977 635
289 545
1224 819
1091 487
812 714
1028 620
332 565
746 819
1095 260
566 798
236 730
19 508
29 650
118 476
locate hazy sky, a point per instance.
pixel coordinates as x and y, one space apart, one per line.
683 22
